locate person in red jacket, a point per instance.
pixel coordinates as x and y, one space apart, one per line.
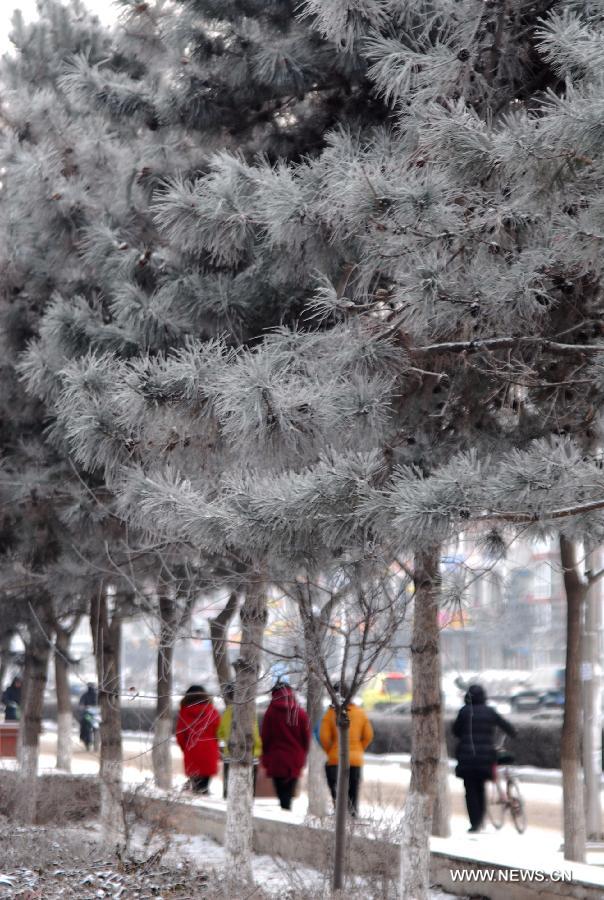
285 742
196 729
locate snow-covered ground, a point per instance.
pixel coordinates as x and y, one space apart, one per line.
384 782
62 863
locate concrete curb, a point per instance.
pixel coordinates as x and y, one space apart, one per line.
450 869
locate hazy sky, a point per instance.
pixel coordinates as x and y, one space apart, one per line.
104 9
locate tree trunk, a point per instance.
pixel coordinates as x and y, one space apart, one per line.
5 642
64 713
37 653
570 745
592 719
318 795
341 817
239 821
425 730
106 637
162 740
441 815
218 636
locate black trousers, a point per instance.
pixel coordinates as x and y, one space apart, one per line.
200 783
285 789
476 799
354 783
225 779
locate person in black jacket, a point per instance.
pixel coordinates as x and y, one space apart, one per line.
89 699
90 696
475 727
11 698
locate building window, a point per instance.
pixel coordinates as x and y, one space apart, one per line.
543 615
542 581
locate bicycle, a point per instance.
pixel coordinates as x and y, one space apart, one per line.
504 794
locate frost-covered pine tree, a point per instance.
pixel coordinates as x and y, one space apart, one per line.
442 363
179 83
34 475
59 527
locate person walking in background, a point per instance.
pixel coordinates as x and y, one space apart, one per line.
285 742
196 733
475 728
360 735
224 735
87 703
11 698
90 696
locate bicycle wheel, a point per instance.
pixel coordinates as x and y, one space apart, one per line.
495 806
517 807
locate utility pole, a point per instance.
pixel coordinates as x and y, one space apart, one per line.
592 701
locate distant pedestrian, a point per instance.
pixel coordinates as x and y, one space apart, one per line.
475 727
90 696
285 742
224 736
11 698
196 733
360 735
89 721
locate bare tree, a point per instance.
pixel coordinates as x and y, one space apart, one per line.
570 746
219 627
318 797
64 631
175 599
161 751
5 643
592 713
360 616
239 821
37 652
323 598
577 585
426 728
106 617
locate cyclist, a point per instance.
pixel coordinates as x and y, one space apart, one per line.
475 727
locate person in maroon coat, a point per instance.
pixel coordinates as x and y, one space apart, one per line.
196 729
285 742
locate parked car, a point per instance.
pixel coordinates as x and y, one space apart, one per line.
526 701
402 709
385 690
544 688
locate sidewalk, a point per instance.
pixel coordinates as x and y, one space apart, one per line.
385 779
538 848
525 774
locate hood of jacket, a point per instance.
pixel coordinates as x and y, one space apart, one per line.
476 695
284 698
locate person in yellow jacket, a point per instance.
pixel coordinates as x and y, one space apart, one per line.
360 735
224 734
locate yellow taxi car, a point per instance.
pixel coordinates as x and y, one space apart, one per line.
386 689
